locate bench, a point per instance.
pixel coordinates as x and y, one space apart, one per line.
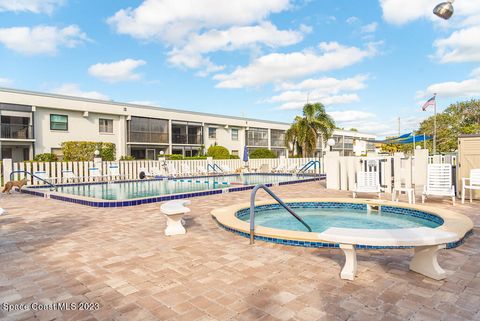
425 241
174 211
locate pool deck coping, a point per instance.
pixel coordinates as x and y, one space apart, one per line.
453 222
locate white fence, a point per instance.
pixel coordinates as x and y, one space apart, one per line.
131 169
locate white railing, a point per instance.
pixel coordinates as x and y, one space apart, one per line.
130 170
443 159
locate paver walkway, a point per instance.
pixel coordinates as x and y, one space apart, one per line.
119 258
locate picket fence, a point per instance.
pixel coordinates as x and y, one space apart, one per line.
130 170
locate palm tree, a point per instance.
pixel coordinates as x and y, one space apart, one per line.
305 130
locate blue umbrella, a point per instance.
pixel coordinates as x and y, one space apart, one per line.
245 154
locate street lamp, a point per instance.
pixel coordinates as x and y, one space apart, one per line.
444 10
331 143
96 152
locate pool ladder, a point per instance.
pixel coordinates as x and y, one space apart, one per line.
252 209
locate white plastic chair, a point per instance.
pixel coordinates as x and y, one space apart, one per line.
225 168
367 182
155 171
279 169
186 169
474 183
43 175
95 173
114 171
68 175
439 182
171 170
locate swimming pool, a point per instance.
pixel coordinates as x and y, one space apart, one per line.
321 216
130 193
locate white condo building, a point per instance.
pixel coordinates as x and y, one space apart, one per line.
33 123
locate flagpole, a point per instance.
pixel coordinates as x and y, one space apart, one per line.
435 125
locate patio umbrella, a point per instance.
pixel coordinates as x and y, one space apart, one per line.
245 154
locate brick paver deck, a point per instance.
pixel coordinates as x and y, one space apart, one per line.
119 258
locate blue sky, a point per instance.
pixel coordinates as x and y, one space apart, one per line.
367 64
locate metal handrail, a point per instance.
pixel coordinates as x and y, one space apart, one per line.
275 197
215 165
308 165
212 167
35 176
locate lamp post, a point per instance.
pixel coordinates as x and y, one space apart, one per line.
96 156
330 143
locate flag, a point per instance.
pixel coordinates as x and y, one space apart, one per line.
430 102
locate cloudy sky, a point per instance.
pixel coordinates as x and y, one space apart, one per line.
367 64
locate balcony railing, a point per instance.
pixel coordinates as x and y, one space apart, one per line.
14 131
278 143
257 142
148 137
187 139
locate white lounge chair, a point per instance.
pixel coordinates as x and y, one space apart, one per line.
68 175
225 168
95 173
202 170
114 171
155 171
292 168
439 182
171 170
186 170
279 169
43 175
367 182
473 183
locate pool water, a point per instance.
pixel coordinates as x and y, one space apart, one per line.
320 219
150 188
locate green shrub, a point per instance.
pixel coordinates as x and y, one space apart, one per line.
127 158
45 157
234 157
218 152
262 153
174 157
85 151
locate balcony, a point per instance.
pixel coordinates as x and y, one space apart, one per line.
16 131
187 139
148 137
257 142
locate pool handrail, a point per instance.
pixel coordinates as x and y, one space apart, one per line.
35 176
308 165
275 197
215 165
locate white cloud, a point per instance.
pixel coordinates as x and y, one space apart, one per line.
350 115
475 73
370 28
465 88
296 100
462 46
5 82
327 84
35 6
41 39
352 20
277 67
74 90
191 54
173 20
122 70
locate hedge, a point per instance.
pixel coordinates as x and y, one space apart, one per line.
85 151
45 157
218 152
262 153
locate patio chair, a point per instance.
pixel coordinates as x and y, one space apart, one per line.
439 182
202 170
225 168
279 169
292 168
114 171
171 170
95 173
264 168
185 169
69 175
156 172
367 182
474 183
43 175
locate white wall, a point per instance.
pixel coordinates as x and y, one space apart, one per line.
80 128
224 138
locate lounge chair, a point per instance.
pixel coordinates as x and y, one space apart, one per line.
474 183
95 173
264 168
225 168
292 168
171 170
156 172
69 175
186 170
279 169
202 170
367 182
439 182
114 171
43 175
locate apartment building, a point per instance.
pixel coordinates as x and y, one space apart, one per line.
33 123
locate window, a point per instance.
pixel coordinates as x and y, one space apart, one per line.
58 122
234 134
212 133
234 152
105 125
